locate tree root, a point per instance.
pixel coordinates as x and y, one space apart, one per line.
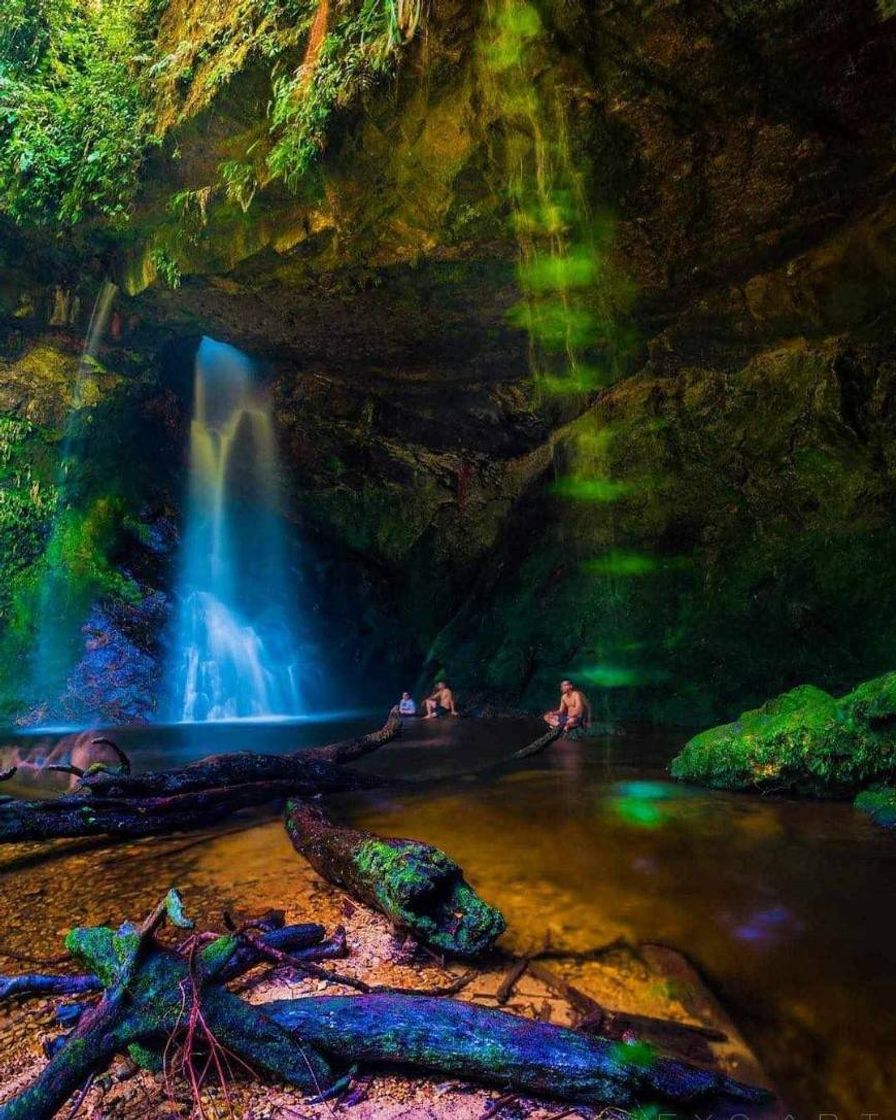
157 999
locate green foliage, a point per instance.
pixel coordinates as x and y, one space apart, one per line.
191 206
74 119
26 500
166 267
239 181
81 547
49 559
85 89
361 48
804 741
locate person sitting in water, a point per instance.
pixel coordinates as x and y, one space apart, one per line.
441 703
574 710
406 705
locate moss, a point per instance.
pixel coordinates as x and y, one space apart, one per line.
216 955
101 949
146 1057
879 803
804 741
873 703
422 889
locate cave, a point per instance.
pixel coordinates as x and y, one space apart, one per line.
349 347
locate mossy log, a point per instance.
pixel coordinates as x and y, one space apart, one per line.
305 943
151 995
119 803
461 1039
417 886
154 994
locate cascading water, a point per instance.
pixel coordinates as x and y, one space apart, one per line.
60 607
235 655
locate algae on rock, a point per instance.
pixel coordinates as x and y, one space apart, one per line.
803 742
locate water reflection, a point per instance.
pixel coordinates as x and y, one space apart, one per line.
788 907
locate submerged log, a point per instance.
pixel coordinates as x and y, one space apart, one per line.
89 814
306 767
155 995
119 803
418 887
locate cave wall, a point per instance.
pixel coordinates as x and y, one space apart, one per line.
705 523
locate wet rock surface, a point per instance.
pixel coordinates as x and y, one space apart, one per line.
802 742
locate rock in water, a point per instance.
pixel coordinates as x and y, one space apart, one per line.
804 741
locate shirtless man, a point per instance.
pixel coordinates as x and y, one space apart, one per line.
574 710
441 703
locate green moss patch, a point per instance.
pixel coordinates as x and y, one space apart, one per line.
880 804
804 742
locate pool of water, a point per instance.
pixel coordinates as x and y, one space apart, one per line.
788 908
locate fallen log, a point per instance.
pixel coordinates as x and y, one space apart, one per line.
155 995
461 1039
113 801
305 767
87 814
152 994
418 887
119 803
305 943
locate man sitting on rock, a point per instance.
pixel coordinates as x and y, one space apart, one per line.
574 711
441 703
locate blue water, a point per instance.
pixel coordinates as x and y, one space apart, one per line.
234 653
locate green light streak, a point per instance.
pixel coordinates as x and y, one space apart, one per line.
619 563
591 489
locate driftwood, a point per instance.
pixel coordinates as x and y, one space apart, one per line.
158 1000
464 1040
116 802
418 887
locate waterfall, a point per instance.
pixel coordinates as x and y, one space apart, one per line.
59 605
234 655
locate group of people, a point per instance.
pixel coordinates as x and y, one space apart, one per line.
573 712
439 703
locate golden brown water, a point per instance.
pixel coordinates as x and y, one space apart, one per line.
788 908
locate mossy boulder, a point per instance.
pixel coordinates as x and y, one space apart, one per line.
879 803
802 742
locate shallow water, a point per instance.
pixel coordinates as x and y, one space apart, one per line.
789 908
